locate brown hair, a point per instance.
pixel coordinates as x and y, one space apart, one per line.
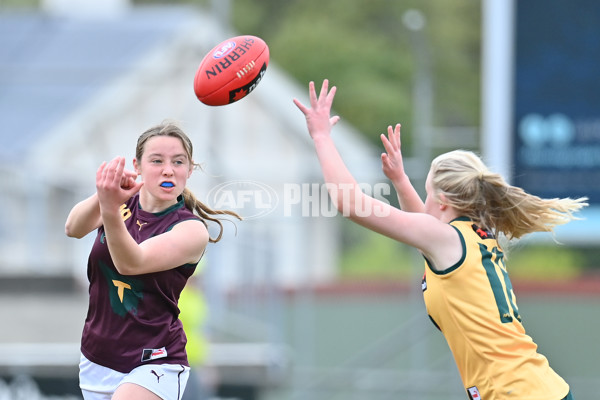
485 197
205 213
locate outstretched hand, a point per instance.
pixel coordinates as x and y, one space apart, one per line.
114 184
318 118
391 160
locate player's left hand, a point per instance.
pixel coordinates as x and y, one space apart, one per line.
391 161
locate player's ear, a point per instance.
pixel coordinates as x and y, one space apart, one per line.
136 166
442 200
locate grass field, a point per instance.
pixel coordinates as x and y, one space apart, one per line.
381 346
371 342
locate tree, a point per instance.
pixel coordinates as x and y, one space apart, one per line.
363 48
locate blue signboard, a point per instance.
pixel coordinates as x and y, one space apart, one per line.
556 126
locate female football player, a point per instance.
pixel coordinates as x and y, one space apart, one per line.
151 235
467 291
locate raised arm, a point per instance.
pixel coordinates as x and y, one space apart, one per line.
393 167
334 170
344 191
413 228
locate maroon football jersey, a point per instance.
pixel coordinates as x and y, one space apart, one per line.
133 320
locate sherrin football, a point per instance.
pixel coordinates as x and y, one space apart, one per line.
231 70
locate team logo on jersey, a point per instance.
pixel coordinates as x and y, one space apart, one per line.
424 282
124 293
153 354
482 232
474 393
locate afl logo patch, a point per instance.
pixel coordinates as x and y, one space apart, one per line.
224 50
424 282
474 393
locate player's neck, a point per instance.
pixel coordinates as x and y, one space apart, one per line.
152 204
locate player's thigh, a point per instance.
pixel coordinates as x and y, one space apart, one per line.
131 391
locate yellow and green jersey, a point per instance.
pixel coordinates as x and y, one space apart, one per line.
474 306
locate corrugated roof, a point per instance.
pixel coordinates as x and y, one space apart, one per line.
50 65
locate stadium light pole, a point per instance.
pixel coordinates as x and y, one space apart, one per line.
415 23
497 82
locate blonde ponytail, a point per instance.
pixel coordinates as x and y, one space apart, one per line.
487 199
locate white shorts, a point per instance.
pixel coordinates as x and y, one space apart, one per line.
165 380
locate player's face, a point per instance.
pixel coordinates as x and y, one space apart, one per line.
164 167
